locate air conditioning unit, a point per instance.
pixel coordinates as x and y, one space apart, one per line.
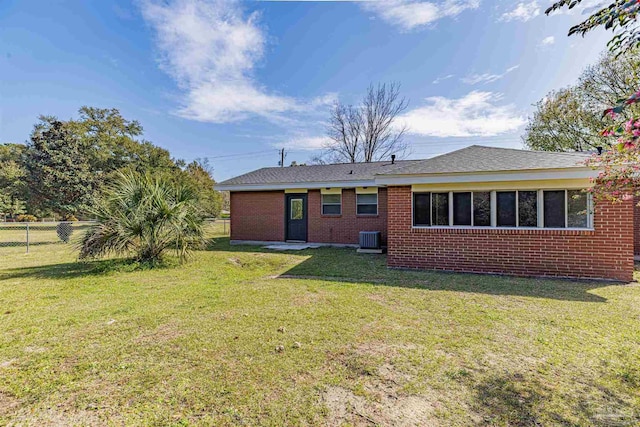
370 242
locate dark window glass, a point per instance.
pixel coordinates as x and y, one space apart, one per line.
577 209
528 208
461 208
421 209
554 209
367 204
330 209
506 203
482 209
440 208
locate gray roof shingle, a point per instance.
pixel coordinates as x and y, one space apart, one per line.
471 159
478 158
317 173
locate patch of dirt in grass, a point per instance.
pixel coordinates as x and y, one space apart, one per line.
382 349
7 363
7 404
58 417
163 333
380 399
308 298
384 407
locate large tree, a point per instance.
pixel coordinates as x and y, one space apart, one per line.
369 131
13 188
200 174
570 119
58 171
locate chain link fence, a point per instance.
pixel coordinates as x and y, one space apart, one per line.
28 235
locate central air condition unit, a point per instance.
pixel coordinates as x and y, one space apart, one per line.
370 242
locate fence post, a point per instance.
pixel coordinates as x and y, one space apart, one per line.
27 237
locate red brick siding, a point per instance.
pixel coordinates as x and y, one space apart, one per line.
344 228
636 226
257 215
606 252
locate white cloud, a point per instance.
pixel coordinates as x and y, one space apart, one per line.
210 48
547 41
443 78
473 79
411 14
475 114
523 12
303 143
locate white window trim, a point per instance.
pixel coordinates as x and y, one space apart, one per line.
367 204
494 212
323 204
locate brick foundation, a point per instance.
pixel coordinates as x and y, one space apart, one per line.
606 252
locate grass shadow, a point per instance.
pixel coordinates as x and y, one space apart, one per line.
71 270
346 265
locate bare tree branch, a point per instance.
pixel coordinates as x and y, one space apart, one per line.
367 132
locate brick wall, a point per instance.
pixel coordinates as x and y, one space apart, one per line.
606 252
260 216
257 215
636 226
345 228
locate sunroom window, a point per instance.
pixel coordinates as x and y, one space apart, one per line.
516 208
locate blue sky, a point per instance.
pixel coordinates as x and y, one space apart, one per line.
235 81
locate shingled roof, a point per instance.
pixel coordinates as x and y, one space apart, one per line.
467 160
477 158
318 173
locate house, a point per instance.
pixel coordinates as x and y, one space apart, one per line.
478 209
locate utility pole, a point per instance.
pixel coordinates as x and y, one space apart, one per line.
282 156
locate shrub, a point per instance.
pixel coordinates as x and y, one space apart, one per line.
64 231
70 218
144 215
26 218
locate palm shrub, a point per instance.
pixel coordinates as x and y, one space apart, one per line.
144 216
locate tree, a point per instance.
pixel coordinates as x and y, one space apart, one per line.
13 188
571 119
144 216
199 174
367 132
619 166
58 172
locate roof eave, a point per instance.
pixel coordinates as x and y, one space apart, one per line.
490 176
296 185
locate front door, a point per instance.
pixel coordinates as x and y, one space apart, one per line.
296 217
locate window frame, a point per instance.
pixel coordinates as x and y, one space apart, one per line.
323 204
367 204
493 210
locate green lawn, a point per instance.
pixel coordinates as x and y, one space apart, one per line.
245 336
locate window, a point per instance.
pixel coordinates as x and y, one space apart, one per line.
482 209
506 205
577 209
517 208
367 204
421 209
462 208
331 204
527 208
296 209
554 209
440 208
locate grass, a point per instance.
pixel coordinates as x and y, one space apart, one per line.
244 336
